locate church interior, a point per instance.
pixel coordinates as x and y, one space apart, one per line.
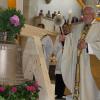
29 60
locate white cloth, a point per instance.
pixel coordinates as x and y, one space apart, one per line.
90 51
47 48
88 88
69 97
58 53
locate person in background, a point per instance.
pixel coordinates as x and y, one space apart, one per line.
47 45
41 13
48 15
58 51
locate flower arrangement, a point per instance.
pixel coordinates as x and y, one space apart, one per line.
25 91
11 22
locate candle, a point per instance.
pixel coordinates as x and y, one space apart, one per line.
70 16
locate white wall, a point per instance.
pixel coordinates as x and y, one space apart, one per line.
33 8
3 4
60 5
56 5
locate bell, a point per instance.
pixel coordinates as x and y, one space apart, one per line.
10 65
58 20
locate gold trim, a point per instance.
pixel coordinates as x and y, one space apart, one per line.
81 3
98 18
98 6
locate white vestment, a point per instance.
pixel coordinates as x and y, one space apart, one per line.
47 48
88 88
58 53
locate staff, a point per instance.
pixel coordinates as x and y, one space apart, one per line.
77 73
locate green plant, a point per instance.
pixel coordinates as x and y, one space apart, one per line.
25 91
1 9
11 22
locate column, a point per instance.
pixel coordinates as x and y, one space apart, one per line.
19 5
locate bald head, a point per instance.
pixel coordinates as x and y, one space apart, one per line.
88 14
88 10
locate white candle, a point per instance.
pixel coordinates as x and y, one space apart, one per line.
70 16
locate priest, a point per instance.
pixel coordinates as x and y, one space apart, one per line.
88 44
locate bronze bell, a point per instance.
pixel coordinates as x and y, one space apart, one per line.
10 64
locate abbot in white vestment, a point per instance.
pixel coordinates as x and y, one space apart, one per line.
88 88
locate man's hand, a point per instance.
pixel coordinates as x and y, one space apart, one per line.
62 37
82 44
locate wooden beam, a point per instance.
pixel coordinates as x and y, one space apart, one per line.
34 64
30 30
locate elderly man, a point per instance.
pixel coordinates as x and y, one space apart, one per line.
89 43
